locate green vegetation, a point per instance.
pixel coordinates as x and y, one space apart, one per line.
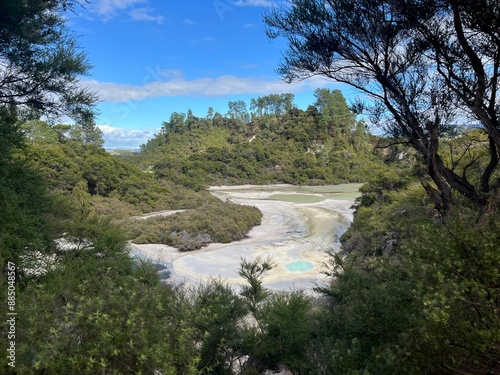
214 221
414 291
275 143
448 75
101 184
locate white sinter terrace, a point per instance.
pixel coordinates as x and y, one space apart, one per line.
299 225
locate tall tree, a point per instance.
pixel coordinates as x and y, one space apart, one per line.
273 104
210 115
238 111
40 60
176 124
86 133
427 64
465 48
334 109
39 68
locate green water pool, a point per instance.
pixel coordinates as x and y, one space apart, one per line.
299 265
314 194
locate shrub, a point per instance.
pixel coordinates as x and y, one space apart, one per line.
214 221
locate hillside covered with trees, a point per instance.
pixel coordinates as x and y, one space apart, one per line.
271 142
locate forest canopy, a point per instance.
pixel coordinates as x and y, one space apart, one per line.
272 142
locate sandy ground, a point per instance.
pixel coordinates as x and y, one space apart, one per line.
290 231
157 213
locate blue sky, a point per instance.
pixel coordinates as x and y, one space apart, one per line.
155 57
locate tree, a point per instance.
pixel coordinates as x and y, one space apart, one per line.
273 104
425 64
176 124
86 133
62 131
333 107
218 318
40 60
254 293
287 331
466 48
39 132
192 121
238 111
210 115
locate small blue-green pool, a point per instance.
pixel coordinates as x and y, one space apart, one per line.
299 265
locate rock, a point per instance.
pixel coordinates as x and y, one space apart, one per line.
186 242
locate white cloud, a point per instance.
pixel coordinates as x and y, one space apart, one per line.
188 22
109 9
115 137
253 3
172 84
144 14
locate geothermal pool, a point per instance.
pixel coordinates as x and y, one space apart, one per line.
299 225
299 266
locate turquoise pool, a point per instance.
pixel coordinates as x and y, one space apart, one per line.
299 265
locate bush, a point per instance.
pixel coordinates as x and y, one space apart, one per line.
414 292
214 221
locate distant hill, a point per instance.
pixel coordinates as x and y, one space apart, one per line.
274 142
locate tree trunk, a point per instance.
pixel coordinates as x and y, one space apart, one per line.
433 165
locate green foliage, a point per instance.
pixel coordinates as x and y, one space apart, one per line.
114 208
42 60
273 104
286 331
379 187
60 165
39 132
254 293
25 206
281 144
219 312
213 221
460 263
24 209
95 315
373 314
413 292
336 115
281 327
